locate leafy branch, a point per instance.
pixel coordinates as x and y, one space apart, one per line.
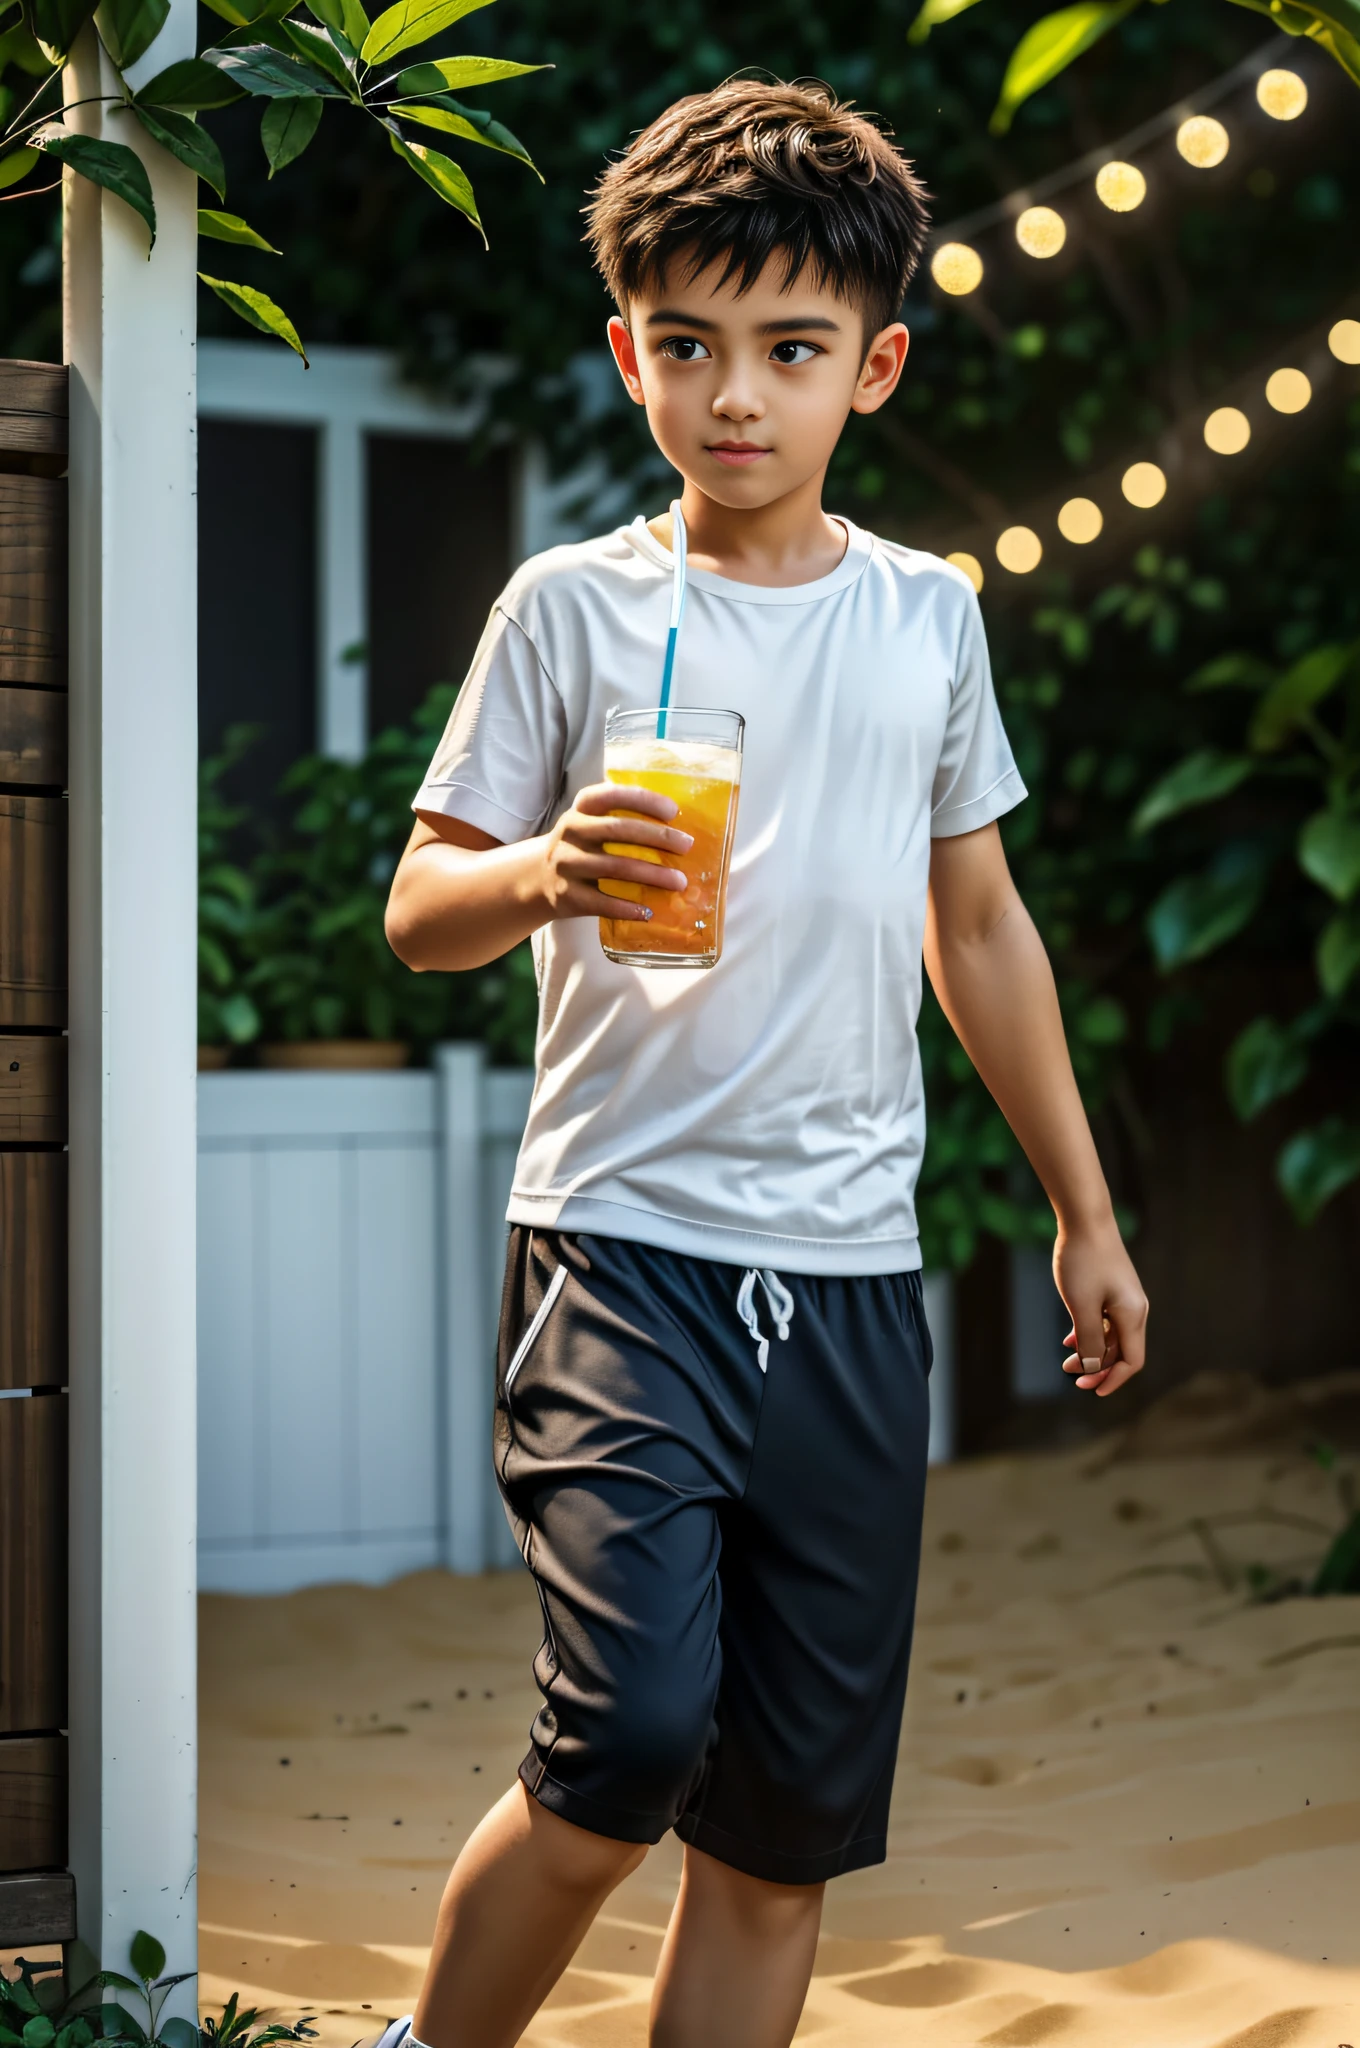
294 66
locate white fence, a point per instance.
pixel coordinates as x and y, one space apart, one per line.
350 1245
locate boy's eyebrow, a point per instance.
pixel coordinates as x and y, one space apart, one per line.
670 316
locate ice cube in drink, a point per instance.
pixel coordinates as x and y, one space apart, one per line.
686 926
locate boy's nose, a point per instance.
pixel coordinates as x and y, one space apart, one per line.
738 405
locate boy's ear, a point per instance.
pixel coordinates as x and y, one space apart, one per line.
882 368
625 355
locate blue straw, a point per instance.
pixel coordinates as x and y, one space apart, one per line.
677 613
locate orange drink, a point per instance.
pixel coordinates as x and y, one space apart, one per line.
697 763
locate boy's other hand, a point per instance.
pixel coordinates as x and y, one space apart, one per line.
1108 1307
574 861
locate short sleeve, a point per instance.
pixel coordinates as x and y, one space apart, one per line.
499 764
976 779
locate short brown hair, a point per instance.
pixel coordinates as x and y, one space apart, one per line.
753 170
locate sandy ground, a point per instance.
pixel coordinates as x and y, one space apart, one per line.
1127 1808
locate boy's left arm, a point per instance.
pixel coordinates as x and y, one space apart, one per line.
988 967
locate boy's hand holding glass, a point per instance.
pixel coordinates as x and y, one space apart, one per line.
575 861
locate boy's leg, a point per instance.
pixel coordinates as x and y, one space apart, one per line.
514 1911
736 1961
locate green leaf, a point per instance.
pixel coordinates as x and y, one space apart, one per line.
1199 913
182 136
257 309
449 74
146 1955
1339 1571
190 87
933 14
1338 953
1201 778
16 166
120 2025
1232 672
443 176
314 46
1329 853
287 126
183 2033
1290 700
1264 1062
128 28
229 227
39 2033
252 12
17 47
345 21
241 1022
471 125
1316 1164
55 24
410 22
1102 1021
1048 47
110 164
269 74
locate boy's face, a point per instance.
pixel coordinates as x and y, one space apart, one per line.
747 394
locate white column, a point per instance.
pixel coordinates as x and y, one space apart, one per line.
465 1314
342 625
130 343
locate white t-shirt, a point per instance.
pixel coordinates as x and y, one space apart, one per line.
767 1111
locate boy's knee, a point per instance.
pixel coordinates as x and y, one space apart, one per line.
658 1743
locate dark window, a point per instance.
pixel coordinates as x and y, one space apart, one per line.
257 596
438 557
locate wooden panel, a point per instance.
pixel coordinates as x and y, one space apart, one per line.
32 1802
33 1262
32 912
33 581
33 737
391 1338
33 422
33 1564
34 1909
32 1091
299 1375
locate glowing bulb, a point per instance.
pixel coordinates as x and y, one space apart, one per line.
1344 341
1019 550
1080 520
1040 231
1121 187
1144 485
970 565
1281 94
1227 431
956 269
1288 390
1202 141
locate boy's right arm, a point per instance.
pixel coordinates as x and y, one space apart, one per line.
460 898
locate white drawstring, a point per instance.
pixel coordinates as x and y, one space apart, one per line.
781 1307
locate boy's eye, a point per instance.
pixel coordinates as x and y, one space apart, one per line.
789 352
683 348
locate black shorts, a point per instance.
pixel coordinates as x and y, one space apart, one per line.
724 1526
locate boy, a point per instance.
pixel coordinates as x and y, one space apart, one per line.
725 1530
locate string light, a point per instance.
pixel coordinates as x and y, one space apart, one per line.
1080 520
1288 390
1281 94
956 269
1040 231
1202 141
1227 431
970 565
1121 187
1144 485
1344 341
1019 549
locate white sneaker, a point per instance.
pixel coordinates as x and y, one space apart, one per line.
396 2035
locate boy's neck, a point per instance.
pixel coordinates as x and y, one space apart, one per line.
787 542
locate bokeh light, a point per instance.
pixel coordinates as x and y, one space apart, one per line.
1144 485
1019 549
1344 341
1281 94
1288 390
970 565
1040 231
1080 520
1227 431
1202 141
1121 187
956 269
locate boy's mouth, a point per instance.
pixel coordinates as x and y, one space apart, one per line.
736 453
